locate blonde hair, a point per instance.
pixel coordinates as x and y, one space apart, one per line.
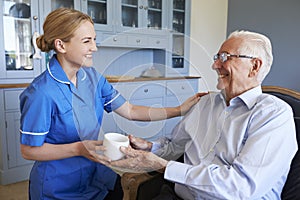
60 24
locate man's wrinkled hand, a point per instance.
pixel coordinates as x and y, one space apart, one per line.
139 161
139 143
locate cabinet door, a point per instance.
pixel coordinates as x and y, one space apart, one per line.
141 15
49 5
13 140
129 14
17 56
102 13
63 3
155 16
179 23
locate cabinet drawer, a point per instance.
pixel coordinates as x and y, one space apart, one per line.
11 98
158 42
144 91
137 40
115 40
179 88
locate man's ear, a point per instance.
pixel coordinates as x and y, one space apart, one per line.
256 65
59 45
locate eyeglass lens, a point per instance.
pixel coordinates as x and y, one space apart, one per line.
221 56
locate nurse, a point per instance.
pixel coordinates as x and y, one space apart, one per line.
61 115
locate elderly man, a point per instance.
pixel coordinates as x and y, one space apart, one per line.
238 143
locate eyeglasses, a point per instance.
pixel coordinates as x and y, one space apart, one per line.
224 56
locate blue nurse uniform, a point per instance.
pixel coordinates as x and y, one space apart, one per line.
54 111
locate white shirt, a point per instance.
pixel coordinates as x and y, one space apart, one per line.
241 151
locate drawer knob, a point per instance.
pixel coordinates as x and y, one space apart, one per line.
182 87
138 40
115 39
146 90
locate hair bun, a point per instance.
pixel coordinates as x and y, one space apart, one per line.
42 44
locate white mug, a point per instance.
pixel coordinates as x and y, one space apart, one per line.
112 143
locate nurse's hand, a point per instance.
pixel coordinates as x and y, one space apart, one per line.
92 149
190 102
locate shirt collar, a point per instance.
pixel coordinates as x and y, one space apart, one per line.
249 97
81 74
56 71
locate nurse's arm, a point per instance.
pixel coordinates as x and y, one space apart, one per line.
145 113
48 151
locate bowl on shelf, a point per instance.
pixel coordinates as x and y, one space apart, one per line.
151 72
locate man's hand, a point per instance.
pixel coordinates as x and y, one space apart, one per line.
139 143
140 161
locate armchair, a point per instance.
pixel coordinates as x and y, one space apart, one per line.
291 189
144 186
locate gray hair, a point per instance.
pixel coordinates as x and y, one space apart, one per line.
256 45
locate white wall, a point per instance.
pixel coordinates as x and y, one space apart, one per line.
208 31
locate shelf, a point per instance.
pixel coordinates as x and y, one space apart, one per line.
129 5
22 19
178 10
155 9
177 56
97 1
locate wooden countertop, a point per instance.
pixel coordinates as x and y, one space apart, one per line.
113 80
14 85
137 79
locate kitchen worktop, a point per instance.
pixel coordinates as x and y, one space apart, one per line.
112 80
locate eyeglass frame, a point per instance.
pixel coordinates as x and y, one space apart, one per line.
223 57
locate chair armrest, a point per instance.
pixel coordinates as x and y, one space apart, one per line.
143 186
131 183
